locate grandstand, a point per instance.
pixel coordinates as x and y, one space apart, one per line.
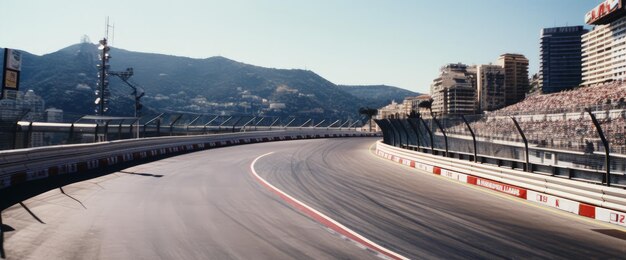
559 120
605 96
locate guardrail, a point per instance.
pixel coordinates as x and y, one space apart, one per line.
16 133
457 138
595 201
24 165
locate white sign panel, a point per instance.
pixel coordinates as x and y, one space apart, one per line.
553 201
14 60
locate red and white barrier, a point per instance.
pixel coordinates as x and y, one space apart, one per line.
575 207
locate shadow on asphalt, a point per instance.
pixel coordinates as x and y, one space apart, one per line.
143 174
612 232
75 199
23 191
32 213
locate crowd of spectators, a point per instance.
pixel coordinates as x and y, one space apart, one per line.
571 134
558 120
609 95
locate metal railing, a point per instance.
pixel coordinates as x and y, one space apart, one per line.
589 146
16 132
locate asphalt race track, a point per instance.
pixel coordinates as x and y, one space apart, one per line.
208 205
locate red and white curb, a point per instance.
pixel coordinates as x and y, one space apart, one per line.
575 207
323 219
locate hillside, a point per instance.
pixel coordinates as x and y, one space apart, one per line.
66 79
378 95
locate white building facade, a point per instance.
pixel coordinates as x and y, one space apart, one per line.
604 47
604 53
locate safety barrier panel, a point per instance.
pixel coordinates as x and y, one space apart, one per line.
603 203
23 165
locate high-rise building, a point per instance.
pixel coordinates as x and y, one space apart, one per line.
561 55
490 87
454 91
604 47
515 77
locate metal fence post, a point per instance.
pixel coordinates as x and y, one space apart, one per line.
528 167
27 136
71 135
408 140
415 129
385 129
473 137
396 141
235 124
607 157
96 132
158 126
174 122
119 130
430 133
192 121
106 130
445 137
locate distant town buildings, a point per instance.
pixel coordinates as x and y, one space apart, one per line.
54 115
412 103
561 54
464 90
21 107
490 87
515 77
454 91
393 110
277 105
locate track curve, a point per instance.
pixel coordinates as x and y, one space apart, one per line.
207 205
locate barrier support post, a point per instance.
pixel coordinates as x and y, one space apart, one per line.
119 130
396 141
415 129
27 136
384 129
445 137
235 124
473 137
430 133
174 122
401 126
607 157
527 166
191 123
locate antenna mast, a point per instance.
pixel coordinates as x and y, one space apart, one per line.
108 26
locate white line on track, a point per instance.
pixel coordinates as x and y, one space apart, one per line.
323 219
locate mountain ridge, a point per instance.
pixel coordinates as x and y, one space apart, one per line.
66 79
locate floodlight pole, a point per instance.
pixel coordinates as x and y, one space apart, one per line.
103 61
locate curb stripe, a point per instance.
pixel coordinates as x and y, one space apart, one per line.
321 218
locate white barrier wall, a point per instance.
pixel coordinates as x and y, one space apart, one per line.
23 165
603 203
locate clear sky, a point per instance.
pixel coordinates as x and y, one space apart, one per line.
357 42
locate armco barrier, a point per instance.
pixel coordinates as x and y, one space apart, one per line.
23 165
603 203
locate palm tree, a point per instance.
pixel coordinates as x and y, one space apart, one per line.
427 104
369 113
